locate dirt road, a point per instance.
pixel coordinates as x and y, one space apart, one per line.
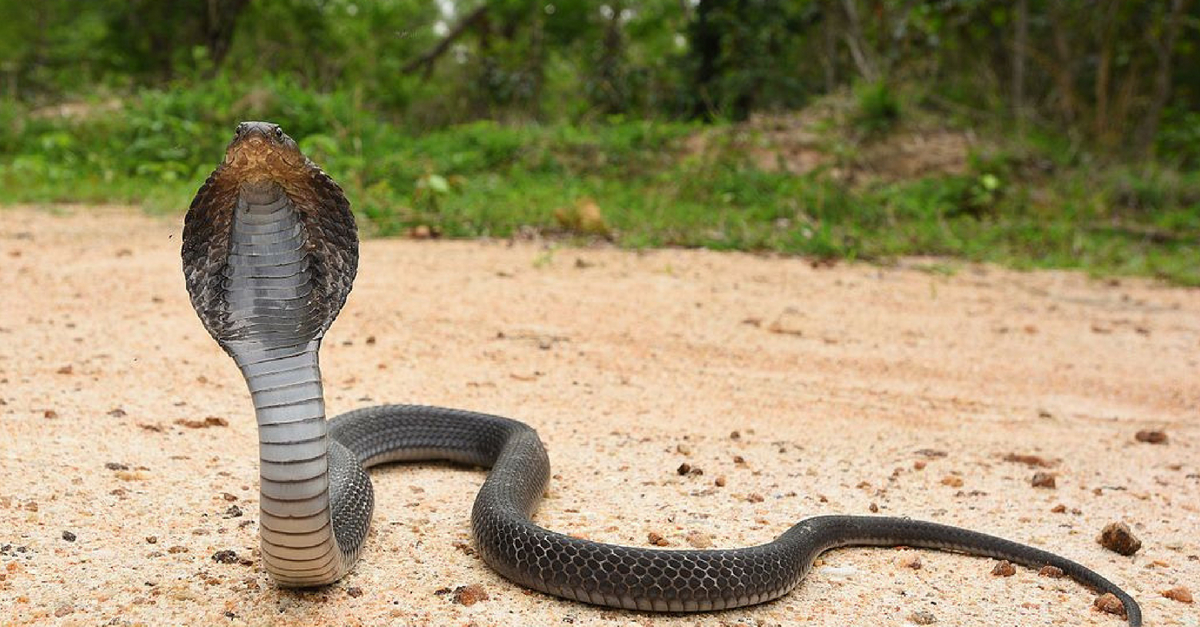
128 450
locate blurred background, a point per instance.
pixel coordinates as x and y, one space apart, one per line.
1035 133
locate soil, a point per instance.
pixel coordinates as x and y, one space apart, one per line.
128 446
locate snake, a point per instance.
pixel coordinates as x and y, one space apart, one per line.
270 253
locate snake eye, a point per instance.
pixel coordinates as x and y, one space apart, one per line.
241 128
278 133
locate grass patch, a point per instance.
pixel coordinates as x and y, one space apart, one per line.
651 186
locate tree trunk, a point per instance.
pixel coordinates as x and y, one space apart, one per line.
1020 47
706 48
219 26
1163 49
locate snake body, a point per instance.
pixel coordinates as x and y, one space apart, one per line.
270 251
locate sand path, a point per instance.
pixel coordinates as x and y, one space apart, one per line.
795 390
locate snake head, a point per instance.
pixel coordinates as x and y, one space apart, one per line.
262 151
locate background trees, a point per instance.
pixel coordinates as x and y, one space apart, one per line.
1119 76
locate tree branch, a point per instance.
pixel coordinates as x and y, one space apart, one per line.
429 57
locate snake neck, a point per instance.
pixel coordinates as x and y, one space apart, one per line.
274 337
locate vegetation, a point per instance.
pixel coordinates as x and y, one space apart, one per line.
1024 132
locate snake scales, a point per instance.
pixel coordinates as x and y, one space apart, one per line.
270 250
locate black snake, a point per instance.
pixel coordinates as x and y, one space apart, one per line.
270 250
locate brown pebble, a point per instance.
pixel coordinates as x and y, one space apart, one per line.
873 508
50 413
371 340
734 435
1028 460
919 464
755 498
117 413
1108 602
63 610
354 591
683 449
470 595
177 549
1178 593
151 539
1059 509
1052 572
720 481
738 459
225 557
656 539
1151 436
910 560
67 369
210 421
1118 538
921 617
228 497
1043 480
699 539
465 547
1004 568
684 468
952 481
68 536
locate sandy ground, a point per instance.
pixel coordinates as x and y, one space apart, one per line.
849 389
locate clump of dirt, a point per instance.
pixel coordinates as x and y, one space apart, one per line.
1118 538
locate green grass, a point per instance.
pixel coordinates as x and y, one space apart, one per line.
485 179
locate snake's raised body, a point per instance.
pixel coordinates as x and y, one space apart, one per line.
270 250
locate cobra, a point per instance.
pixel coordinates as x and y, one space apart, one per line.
270 252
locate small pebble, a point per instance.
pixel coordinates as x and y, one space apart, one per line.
68 536
684 468
1108 602
1053 572
910 560
354 591
1043 480
656 539
233 512
470 595
1178 593
755 498
952 481
1118 538
116 466
921 617
720 481
225 557
1004 568
151 539
1151 437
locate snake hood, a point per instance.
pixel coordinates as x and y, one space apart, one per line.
264 168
